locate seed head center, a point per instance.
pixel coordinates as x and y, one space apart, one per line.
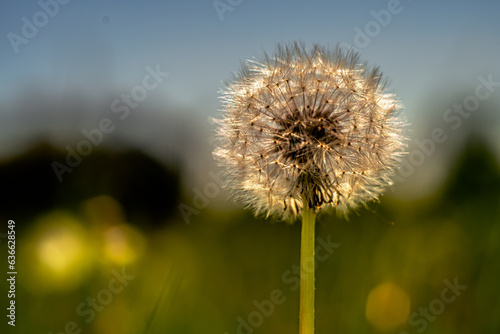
302 134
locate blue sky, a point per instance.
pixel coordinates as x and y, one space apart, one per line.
199 51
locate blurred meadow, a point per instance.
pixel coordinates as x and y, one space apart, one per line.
131 233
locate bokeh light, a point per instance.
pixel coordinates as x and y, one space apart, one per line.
387 306
123 244
62 252
120 242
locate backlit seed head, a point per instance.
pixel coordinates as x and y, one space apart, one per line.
313 124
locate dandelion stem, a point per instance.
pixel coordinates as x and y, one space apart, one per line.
306 317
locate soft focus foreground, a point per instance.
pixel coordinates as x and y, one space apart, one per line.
415 265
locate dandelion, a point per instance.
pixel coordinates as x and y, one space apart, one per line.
308 130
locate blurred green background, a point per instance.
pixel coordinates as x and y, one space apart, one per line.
139 237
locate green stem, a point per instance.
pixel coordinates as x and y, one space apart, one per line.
306 317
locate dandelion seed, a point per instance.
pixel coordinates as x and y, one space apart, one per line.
312 127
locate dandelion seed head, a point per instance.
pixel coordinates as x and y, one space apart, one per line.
308 124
